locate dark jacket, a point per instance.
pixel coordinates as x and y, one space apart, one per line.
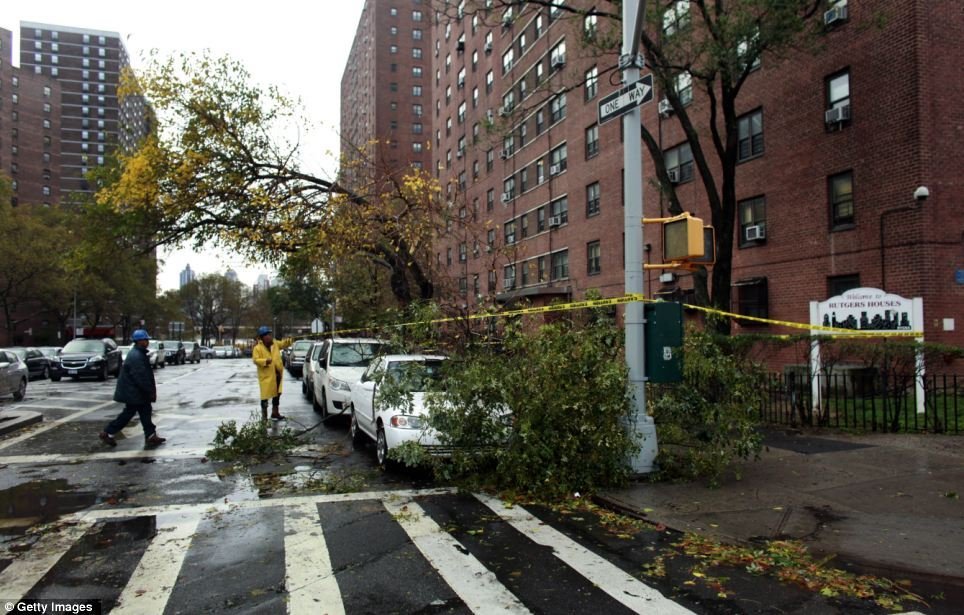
135 385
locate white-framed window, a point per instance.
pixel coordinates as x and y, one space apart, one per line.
676 17
557 57
683 84
559 157
508 58
591 83
557 108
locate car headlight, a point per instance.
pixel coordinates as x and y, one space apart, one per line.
96 359
339 385
405 421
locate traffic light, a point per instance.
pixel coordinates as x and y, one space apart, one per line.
683 239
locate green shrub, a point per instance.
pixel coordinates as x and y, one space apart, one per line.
249 442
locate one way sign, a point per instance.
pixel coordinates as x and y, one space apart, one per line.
626 99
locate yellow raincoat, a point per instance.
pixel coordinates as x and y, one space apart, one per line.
269 376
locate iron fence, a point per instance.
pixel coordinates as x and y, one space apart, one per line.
866 401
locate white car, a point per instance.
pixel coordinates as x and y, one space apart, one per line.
391 425
13 375
308 370
342 362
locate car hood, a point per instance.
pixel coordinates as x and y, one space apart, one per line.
346 373
80 355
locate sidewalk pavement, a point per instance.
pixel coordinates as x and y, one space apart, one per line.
890 504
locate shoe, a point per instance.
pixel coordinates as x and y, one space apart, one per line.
156 439
278 417
107 439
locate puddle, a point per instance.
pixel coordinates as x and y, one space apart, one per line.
227 401
42 500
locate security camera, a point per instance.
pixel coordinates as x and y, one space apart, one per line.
921 193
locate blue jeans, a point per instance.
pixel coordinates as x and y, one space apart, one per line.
142 411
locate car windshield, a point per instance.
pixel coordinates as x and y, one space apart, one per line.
20 352
415 375
170 345
188 345
50 352
84 346
301 346
353 354
153 344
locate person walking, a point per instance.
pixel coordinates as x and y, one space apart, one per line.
267 356
137 390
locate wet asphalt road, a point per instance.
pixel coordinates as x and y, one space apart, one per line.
165 530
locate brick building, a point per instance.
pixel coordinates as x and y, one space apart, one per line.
824 206
386 92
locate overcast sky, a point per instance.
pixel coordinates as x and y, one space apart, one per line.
299 46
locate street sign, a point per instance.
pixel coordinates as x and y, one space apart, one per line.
626 99
317 326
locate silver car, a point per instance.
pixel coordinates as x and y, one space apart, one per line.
13 375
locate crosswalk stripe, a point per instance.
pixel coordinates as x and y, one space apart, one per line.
22 574
608 577
113 455
477 586
309 578
53 424
152 582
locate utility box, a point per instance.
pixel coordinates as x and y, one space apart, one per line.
664 341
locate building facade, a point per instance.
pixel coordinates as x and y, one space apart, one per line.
837 144
386 93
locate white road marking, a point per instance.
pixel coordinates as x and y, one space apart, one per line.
168 453
53 424
622 586
22 574
309 578
476 585
179 377
152 582
39 406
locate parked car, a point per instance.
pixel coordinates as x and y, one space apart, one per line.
223 352
295 359
53 361
391 425
192 352
308 370
91 357
155 352
235 352
13 375
207 353
38 366
173 352
343 361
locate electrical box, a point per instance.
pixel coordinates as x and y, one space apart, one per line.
664 341
683 239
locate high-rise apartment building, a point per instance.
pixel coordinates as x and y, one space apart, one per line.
836 144
187 276
386 118
88 65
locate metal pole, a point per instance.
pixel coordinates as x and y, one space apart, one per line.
641 426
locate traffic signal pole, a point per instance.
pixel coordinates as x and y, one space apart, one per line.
640 426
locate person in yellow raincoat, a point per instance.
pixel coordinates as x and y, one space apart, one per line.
267 356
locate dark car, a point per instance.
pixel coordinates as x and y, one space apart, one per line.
173 352
37 364
91 357
296 356
53 361
192 352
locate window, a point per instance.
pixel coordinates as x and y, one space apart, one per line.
524 225
416 34
842 200
489 81
750 128
753 221
416 71
416 90
488 43
508 187
524 266
540 121
557 57
463 253
417 110
540 219
524 182
747 48
751 298
507 59
557 108
508 277
676 17
592 199
490 239
593 259
560 209
558 158
559 265
475 97
102 52
589 26
393 49
490 199
417 147
509 232
416 15
46 190
417 128
393 30
838 90
417 52
493 281
541 269
684 87
489 160
839 284
591 82
679 161
475 284
592 141
393 12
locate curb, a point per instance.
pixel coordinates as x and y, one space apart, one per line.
12 421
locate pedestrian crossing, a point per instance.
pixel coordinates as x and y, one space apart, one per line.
430 550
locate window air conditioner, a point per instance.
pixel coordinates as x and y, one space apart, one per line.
488 249
506 197
555 221
665 108
458 153
461 83
755 232
837 114
504 154
488 48
835 15
555 169
673 176
558 62
504 111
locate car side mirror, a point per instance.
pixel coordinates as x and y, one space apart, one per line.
323 363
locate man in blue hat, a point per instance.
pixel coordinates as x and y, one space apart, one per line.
137 391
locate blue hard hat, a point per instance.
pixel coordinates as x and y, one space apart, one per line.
263 330
139 335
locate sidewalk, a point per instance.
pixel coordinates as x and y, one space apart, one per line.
885 503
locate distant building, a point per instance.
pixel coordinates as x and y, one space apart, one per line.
231 274
187 276
263 284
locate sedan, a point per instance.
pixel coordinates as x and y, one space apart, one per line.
390 425
207 353
37 364
13 375
192 352
174 352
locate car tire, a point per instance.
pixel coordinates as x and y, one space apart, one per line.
304 389
21 392
315 405
358 437
45 375
54 378
324 405
103 375
381 449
